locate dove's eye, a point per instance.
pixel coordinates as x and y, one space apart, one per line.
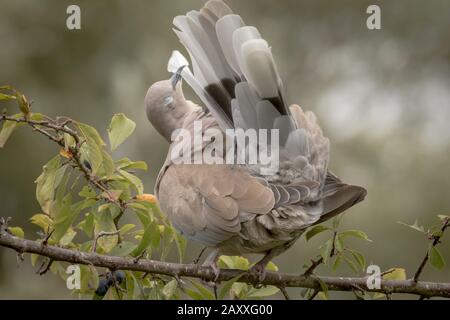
168 102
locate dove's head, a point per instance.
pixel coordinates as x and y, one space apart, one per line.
166 106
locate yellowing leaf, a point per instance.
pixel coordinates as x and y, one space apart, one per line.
120 129
395 274
17 231
147 198
315 231
43 221
6 97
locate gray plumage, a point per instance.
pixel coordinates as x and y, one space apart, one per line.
235 209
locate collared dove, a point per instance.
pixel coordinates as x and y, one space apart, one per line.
235 209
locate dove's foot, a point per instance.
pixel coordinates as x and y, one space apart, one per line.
260 271
215 269
211 262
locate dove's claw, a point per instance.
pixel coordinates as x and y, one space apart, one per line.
215 269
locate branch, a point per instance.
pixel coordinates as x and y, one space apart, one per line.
425 289
58 127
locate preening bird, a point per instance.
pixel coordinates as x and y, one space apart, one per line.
236 209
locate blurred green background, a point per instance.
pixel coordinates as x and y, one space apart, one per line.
382 97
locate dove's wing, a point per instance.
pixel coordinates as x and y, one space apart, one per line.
205 202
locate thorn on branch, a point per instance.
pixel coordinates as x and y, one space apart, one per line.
314 295
47 238
41 271
140 257
285 293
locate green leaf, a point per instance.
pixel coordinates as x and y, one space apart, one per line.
436 258
227 287
47 183
181 243
339 245
65 215
352 265
104 222
355 234
87 193
92 149
87 225
123 249
315 231
17 231
193 294
108 164
150 232
139 165
359 258
326 250
90 133
68 237
168 238
120 129
205 293
126 229
337 263
7 130
170 289
264 292
135 181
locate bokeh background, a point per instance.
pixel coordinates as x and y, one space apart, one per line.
382 97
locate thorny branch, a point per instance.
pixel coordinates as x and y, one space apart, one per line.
423 289
55 129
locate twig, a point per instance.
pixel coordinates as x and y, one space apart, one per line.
427 289
101 235
436 242
314 265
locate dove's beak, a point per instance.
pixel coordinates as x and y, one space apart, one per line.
177 77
